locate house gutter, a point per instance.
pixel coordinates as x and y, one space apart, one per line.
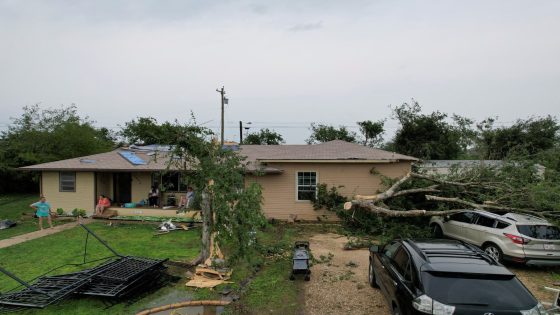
350 161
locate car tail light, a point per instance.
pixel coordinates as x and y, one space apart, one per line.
427 305
517 239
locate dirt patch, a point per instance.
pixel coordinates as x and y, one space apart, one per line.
339 281
535 279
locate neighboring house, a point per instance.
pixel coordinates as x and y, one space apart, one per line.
444 167
288 174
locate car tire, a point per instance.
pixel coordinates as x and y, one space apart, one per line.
371 276
494 251
437 232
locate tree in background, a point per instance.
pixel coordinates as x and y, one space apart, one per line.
372 131
45 135
524 138
264 136
430 136
323 133
147 130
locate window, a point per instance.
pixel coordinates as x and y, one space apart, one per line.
67 181
170 182
464 217
485 221
306 185
502 225
541 232
390 249
401 261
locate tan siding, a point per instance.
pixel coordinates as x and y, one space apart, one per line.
279 191
141 184
82 198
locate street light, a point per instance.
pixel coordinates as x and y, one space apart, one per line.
241 130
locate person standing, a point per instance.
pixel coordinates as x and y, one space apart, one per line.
43 210
190 197
153 196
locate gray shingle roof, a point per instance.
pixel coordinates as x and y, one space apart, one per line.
330 151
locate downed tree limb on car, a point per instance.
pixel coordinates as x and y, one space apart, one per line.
396 213
375 203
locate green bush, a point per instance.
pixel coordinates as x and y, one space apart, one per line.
79 213
328 199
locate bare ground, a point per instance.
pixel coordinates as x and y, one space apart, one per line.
339 284
339 287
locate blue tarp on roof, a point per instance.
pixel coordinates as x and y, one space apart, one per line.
132 158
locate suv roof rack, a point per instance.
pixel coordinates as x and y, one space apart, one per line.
473 252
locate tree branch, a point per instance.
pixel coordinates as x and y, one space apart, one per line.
388 193
398 213
484 206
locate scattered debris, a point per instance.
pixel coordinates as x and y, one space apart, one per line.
117 278
183 304
358 243
352 264
205 277
6 224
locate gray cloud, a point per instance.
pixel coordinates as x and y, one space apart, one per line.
306 27
121 59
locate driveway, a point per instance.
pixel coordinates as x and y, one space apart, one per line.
339 280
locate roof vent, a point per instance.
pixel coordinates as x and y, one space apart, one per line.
88 161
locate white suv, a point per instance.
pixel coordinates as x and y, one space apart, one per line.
513 237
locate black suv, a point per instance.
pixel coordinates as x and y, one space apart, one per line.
446 277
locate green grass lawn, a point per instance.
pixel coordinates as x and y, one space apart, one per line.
11 207
33 258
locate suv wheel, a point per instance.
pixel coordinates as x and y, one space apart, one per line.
371 276
436 231
494 251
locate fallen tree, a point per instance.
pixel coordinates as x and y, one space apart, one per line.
467 186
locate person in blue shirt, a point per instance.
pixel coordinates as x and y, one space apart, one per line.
43 209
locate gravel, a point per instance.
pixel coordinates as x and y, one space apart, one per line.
339 282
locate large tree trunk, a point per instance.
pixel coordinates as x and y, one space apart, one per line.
207 224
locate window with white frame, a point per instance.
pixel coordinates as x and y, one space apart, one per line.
306 185
67 181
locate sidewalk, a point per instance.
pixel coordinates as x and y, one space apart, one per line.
38 234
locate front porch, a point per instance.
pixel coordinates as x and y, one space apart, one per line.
155 212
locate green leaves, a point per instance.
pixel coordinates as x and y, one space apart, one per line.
264 136
325 133
237 208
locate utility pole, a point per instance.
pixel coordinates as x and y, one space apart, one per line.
223 99
240 132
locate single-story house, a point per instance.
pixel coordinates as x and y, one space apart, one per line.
289 175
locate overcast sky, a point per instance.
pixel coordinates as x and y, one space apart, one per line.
284 64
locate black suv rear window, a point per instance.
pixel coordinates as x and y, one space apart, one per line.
491 291
542 232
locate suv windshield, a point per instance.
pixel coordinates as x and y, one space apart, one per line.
542 232
492 291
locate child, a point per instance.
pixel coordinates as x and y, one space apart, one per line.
43 209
